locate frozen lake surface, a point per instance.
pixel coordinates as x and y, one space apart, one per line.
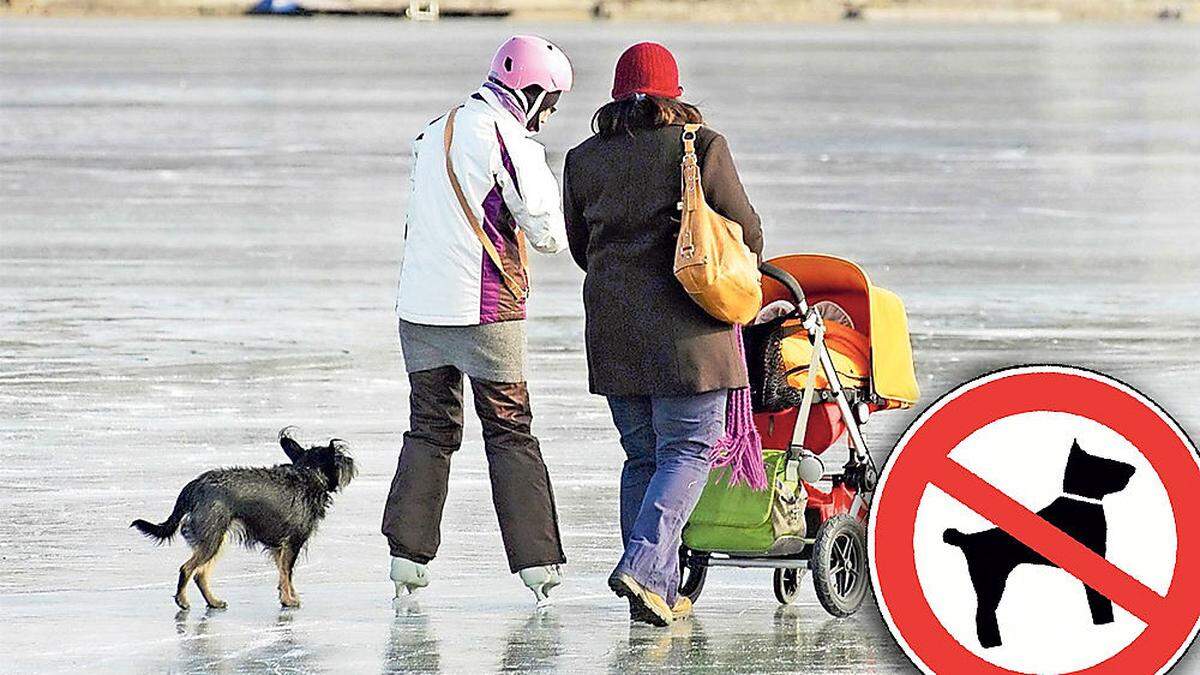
199 229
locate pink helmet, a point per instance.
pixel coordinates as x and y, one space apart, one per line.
526 60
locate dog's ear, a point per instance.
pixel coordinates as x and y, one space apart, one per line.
344 469
293 449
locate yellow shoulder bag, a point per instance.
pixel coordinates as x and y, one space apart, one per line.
712 260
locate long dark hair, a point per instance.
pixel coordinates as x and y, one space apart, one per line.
643 112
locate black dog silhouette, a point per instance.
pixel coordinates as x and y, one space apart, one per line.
993 554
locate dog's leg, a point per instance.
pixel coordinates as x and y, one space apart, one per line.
988 592
289 561
181 590
204 549
202 579
186 570
1102 608
202 583
285 560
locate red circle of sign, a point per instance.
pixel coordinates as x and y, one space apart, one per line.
970 408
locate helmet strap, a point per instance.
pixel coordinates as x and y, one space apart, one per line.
533 114
532 108
522 100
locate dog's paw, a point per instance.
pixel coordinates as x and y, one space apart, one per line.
290 604
218 604
182 602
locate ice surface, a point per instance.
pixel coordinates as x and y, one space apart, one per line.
199 229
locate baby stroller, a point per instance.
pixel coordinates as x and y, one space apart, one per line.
827 351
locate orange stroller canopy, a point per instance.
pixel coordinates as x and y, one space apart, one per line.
874 350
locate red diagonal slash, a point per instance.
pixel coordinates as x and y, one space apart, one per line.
1052 543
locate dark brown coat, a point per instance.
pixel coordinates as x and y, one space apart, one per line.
645 336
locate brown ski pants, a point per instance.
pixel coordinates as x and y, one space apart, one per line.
521 489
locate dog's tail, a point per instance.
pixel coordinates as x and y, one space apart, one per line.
954 538
165 530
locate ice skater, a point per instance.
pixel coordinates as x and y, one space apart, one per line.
480 188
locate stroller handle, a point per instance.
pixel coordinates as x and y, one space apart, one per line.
789 282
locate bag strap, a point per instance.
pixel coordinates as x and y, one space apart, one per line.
490 248
690 171
689 137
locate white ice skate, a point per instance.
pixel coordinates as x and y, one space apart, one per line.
409 576
540 580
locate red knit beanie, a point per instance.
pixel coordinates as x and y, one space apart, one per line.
646 68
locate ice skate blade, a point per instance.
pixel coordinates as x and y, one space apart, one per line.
405 601
541 599
403 605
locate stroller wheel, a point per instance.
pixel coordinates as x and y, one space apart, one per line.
787 584
691 579
839 565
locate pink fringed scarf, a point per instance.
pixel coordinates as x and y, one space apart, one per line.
740 448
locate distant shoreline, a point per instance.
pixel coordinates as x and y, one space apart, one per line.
701 11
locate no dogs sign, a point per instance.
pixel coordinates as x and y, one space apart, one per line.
1040 520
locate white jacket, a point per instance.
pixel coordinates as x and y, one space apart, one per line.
446 278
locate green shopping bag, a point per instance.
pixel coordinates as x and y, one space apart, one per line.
736 519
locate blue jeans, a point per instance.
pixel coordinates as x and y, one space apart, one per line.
667 442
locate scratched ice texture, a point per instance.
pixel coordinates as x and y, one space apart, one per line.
200 222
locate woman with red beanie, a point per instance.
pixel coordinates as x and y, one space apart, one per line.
662 362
